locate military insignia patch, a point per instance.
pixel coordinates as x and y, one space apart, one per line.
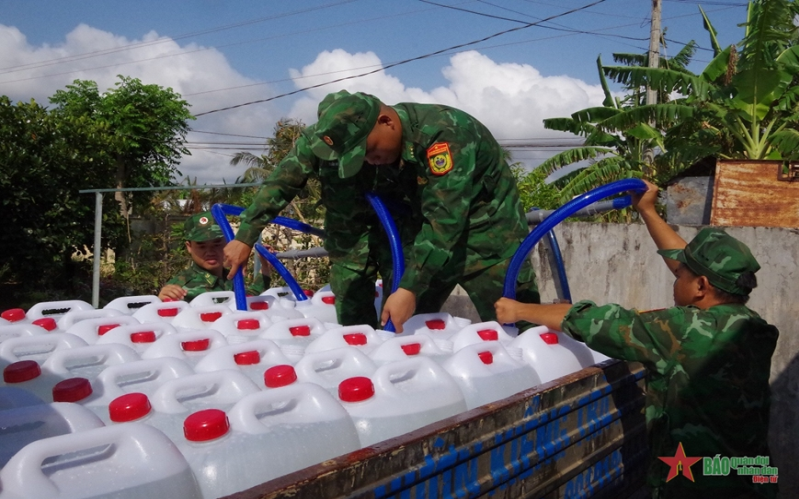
439 158
203 220
327 140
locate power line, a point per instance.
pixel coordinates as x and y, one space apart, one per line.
474 42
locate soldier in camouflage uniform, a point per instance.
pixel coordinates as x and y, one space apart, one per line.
204 242
465 220
708 358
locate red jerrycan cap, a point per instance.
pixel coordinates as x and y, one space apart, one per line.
72 390
168 312
356 389
488 334
46 322
259 305
300 330
142 337
129 407
105 328
277 376
330 300
486 357
412 348
248 324
205 425
550 338
196 346
247 358
20 371
210 316
308 292
13 314
435 324
355 339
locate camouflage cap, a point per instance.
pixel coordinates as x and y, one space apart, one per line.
345 121
718 256
201 227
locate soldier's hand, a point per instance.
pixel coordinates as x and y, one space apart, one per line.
399 308
236 254
172 292
506 310
645 201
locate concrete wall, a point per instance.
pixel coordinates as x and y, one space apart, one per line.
617 263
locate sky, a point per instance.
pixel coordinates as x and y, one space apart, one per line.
509 63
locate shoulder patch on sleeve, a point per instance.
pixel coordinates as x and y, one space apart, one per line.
439 158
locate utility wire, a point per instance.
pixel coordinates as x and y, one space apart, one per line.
474 42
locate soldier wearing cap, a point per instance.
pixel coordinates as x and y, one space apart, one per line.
708 358
465 219
205 243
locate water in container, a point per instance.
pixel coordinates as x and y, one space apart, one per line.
27 375
135 407
400 397
93 329
211 390
160 312
551 354
486 372
129 305
239 327
188 345
11 397
23 425
252 358
139 337
328 368
127 461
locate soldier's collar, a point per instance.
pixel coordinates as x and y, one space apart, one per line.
408 134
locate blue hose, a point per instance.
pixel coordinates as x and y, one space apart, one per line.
220 212
564 281
561 214
397 257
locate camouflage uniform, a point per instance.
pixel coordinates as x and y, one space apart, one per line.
202 227
708 371
465 198
196 280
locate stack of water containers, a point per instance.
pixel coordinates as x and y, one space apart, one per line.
145 398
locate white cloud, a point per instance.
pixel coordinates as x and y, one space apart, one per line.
189 69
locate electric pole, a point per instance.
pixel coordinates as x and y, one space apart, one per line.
654 62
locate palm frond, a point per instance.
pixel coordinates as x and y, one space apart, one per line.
714 43
653 113
786 141
573 156
663 80
608 101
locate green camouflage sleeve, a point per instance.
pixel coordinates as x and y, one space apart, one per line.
259 284
646 337
195 283
446 201
285 182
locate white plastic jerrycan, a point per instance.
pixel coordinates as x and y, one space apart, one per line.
23 425
301 423
478 333
551 354
277 309
87 362
75 316
329 368
294 335
438 325
200 317
9 331
135 407
403 347
252 358
37 347
189 345
239 327
129 305
92 329
216 389
363 337
127 461
284 293
227 298
139 337
322 306
27 375
160 312
144 376
485 373
56 309
400 397
11 397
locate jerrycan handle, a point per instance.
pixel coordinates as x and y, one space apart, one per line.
307 399
234 385
52 341
109 354
419 368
